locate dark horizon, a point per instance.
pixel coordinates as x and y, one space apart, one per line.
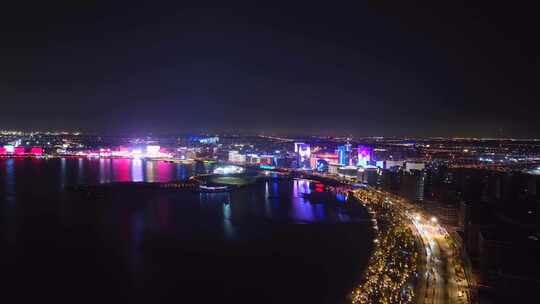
380 69
244 133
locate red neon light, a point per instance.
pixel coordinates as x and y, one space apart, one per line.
327 155
3 150
121 169
164 171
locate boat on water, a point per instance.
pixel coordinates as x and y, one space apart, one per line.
213 189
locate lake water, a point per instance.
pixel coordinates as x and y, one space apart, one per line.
264 243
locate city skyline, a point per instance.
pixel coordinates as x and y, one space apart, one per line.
368 152
290 136
426 202
376 69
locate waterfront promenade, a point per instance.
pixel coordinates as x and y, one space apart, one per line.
440 271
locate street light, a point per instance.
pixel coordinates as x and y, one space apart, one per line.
434 220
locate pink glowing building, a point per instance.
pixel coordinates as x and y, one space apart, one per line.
364 155
19 151
36 151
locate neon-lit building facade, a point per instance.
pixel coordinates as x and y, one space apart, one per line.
322 165
330 157
137 152
303 152
19 151
365 155
9 149
344 155
267 160
36 151
297 146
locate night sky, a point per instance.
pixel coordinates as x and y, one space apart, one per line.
378 69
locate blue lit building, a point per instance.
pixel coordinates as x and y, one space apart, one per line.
322 165
344 155
209 140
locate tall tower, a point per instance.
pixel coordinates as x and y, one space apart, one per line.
344 154
303 154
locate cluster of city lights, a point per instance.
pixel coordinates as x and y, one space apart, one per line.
230 169
404 236
20 151
391 272
150 151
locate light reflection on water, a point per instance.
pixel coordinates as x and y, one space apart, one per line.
228 227
9 192
104 173
10 199
62 172
136 170
80 171
134 224
272 200
150 176
301 208
120 170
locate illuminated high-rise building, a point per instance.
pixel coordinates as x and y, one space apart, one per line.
412 185
303 152
365 155
344 154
